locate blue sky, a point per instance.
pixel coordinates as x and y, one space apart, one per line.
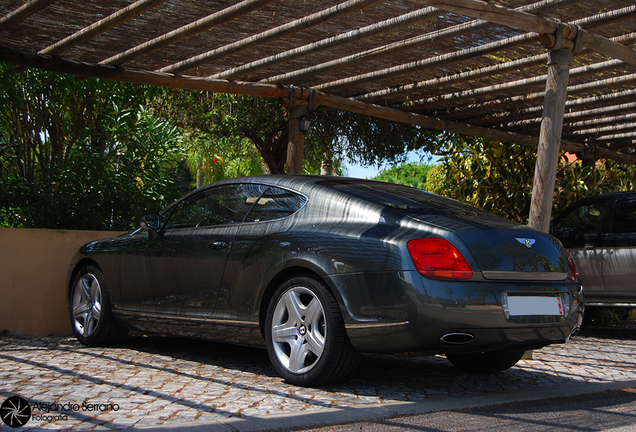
359 171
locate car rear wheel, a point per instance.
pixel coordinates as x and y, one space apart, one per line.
485 362
306 339
91 315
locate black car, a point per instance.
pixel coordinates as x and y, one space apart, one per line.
599 232
318 269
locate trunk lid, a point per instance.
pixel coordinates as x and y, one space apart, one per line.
517 254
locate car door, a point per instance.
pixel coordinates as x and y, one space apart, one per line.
579 231
255 250
177 274
619 252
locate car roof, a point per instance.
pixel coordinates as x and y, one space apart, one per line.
609 195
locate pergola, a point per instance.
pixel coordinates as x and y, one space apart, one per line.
553 74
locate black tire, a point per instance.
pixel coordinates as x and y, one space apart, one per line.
309 347
90 310
485 362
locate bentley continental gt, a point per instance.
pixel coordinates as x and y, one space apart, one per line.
318 269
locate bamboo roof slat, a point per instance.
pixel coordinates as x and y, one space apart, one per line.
227 14
387 25
23 12
277 32
102 25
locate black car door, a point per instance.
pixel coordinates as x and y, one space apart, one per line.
176 275
579 230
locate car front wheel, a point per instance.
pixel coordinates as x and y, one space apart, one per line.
91 316
306 339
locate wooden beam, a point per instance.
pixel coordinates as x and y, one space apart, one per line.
269 35
615 137
604 18
574 119
604 120
597 132
350 36
22 13
494 14
134 76
532 23
191 29
585 103
458 98
339 102
101 26
538 96
622 145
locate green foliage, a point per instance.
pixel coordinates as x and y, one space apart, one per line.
499 177
216 158
81 154
334 134
367 140
218 125
411 174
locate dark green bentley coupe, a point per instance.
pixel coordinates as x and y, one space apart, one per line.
319 269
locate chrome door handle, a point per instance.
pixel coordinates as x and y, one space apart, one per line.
218 245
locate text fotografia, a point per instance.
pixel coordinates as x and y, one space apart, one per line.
73 407
16 411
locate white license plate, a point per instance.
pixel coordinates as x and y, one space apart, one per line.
534 305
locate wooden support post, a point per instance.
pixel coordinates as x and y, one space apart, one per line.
298 125
550 138
295 147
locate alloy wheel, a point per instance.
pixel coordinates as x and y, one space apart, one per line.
298 330
87 305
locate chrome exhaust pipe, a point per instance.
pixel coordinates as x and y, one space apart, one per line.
456 338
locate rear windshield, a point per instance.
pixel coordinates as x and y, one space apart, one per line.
405 198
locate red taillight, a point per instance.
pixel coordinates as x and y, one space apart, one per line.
437 258
574 273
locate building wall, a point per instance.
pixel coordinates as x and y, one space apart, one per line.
34 267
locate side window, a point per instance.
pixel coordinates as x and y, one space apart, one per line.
580 223
624 220
215 206
275 203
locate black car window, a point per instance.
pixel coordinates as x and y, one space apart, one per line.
586 218
275 203
220 205
580 224
624 220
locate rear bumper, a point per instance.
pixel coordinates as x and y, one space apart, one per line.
406 312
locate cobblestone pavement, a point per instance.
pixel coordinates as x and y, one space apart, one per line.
152 381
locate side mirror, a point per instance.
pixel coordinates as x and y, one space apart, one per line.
151 223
